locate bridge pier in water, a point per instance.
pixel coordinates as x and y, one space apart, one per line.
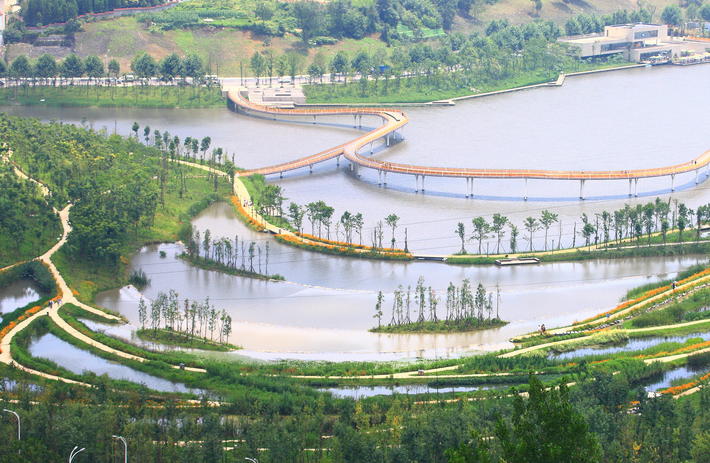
581 189
635 183
416 180
525 198
469 187
696 176
672 182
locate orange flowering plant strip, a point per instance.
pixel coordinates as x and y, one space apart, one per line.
250 220
675 390
681 350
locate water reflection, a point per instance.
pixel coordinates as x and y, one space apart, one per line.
630 346
678 373
78 361
326 314
361 392
327 305
18 294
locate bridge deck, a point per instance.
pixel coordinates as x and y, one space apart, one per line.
394 120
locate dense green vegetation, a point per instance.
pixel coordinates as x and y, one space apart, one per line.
113 97
260 400
28 225
124 192
39 12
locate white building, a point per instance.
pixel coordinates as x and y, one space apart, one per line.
635 42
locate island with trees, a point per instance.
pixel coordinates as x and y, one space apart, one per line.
117 193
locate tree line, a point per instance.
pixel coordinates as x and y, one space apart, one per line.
40 12
47 69
28 224
224 251
627 223
589 422
193 319
466 308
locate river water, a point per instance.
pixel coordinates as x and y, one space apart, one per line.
18 294
79 361
620 120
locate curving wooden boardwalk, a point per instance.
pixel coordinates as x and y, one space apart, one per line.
395 120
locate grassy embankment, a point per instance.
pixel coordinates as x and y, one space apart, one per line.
87 279
442 326
409 90
178 339
611 250
135 96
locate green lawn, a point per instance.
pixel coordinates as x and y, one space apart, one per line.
114 97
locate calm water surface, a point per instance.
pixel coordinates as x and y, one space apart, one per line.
325 308
77 361
18 294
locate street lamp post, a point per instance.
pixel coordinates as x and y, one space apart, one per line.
125 445
75 452
18 424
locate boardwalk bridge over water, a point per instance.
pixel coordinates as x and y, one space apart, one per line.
394 120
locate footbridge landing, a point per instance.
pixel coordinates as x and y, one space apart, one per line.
394 120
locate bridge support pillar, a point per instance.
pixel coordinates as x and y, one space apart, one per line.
337 160
385 177
526 190
636 187
379 177
581 189
630 183
354 121
311 167
707 170
357 170
422 183
371 146
388 140
281 175
672 182
416 182
696 176
401 133
314 119
360 124
469 187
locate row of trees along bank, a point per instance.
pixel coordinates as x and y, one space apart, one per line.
611 228
46 69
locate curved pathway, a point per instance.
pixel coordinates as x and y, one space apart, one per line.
67 297
394 120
